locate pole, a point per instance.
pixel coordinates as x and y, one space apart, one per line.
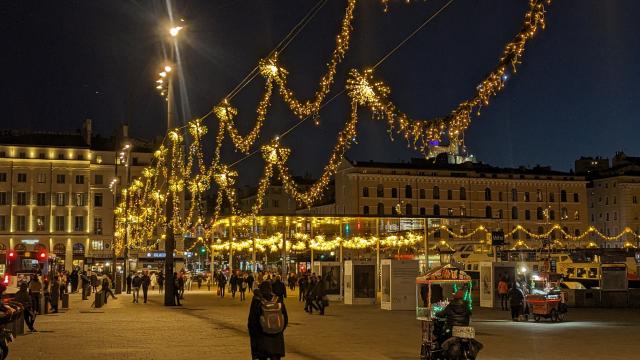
253 253
311 237
114 191
170 240
231 246
125 256
284 247
426 245
377 255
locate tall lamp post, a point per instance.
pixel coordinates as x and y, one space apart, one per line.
166 78
121 158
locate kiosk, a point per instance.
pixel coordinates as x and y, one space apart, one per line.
329 272
359 282
398 281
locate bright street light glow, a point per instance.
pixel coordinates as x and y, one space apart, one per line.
175 30
163 74
167 68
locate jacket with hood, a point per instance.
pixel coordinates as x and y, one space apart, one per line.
457 313
264 345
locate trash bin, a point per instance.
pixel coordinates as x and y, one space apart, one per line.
98 299
65 300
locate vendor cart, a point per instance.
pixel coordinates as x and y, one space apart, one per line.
548 306
432 290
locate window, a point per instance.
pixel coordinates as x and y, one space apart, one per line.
488 212
487 194
552 197
275 203
540 230
526 196
607 217
563 196
41 199
423 194
539 195
615 215
60 156
576 215
78 249
463 211
408 209
97 199
21 223
41 155
408 192
78 223
394 193
514 194
436 192
97 245
79 157
394 210
577 232
539 214
97 225
463 193
379 191
423 211
60 223
40 223
380 209
42 178
3 177
615 200
3 198
80 199
436 210
500 214
22 178
576 197
365 210
79 179
552 214
61 199
449 212
365 192
60 179
514 213
98 179
449 194
527 215
3 223
22 155
634 199
564 214
499 195
21 198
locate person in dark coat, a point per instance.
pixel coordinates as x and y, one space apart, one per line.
302 286
457 313
176 288
160 282
86 285
264 346
55 294
129 278
250 281
222 282
516 301
233 281
22 296
73 278
319 294
146 281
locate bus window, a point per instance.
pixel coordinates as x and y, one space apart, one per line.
581 272
570 271
593 272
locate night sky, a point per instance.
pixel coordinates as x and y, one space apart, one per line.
575 94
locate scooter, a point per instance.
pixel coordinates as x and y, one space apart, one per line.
458 343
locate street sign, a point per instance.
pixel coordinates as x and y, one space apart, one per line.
497 238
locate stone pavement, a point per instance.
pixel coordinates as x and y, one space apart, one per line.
208 327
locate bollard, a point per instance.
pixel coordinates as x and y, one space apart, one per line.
20 322
98 300
65 300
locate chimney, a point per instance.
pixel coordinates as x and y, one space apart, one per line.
86 131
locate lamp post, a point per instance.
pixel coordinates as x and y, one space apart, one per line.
167 76
113 187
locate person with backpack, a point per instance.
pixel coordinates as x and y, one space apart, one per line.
267 321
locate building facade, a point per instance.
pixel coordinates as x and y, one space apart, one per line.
498 198
55 194
614 191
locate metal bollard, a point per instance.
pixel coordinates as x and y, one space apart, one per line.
65 301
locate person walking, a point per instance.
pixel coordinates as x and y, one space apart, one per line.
22 296
129 278
250 281
94 281
154 281
160 282
222 282
136 282
209 282
267 321
242 285
176 288
55 294
106 288
309 295
233 281
181 285
146 281
35 290
503 290
319 296
86 285
74 280
302 286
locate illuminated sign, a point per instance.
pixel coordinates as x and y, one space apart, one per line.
29 241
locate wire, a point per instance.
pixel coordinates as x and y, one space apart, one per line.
383 59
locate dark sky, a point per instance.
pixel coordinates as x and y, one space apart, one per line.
575 94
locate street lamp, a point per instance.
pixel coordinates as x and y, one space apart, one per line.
174 31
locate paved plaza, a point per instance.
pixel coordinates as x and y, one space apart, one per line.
208 327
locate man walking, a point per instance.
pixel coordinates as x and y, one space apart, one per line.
35 288
503 290
146 281
86 285
222 282
136 281
129 278
176 288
